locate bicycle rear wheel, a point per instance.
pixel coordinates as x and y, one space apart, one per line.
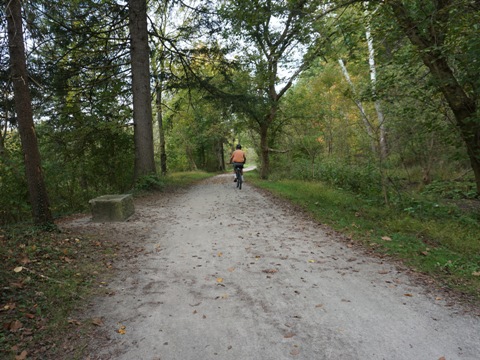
238 172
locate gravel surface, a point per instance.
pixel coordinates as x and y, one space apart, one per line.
218 273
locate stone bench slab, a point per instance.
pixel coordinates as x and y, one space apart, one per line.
112 208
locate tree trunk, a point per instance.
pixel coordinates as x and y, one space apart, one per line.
23 107
462 106
142 106
363 114
378 107
220 155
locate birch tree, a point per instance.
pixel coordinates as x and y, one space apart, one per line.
373 79
361 108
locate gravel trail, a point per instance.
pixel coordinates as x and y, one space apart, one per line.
218 273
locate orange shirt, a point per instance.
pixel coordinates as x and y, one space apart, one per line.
238 156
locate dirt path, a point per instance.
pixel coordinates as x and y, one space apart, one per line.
217 273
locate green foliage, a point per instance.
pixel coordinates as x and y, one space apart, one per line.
149 183
197 132
361 178
14 206
339 173
86 162
451 190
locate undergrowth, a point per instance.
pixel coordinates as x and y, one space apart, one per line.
45 275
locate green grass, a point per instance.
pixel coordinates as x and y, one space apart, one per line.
46 276
435 240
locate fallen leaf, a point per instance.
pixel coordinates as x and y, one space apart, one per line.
383 272
409 295
219 280
219 254
231 269
311 261
22 356
289 335
386 238
25 260
30 316
17 285
14 326
476 273
97 321
122 330
295 352
18 269
442 358
424 253
270 271
74 322
9 306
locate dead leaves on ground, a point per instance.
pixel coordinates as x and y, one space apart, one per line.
270 271
39 270
97 321
122 330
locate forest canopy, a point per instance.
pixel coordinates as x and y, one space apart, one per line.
377 97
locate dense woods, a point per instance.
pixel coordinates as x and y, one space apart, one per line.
377 97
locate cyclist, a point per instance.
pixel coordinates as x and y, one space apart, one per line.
238 159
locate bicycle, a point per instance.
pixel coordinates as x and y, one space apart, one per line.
238 176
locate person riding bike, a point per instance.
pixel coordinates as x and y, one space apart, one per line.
238 159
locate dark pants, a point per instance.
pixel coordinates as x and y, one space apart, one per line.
238 165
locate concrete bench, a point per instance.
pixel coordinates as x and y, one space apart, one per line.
112 207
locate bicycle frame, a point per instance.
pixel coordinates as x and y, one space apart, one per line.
238 174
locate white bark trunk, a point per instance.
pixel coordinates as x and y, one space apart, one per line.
378 107
366 121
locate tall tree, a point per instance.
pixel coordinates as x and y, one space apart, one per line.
427 24
142 105
36 186
282 39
